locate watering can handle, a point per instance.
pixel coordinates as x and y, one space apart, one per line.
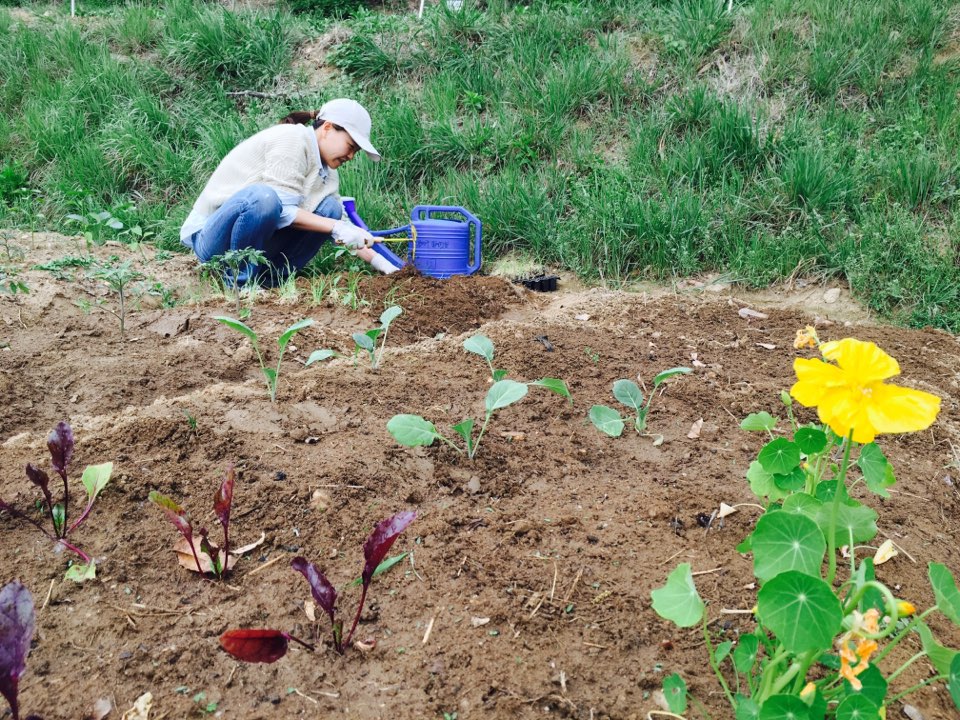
422 212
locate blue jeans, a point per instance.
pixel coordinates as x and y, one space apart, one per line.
249 219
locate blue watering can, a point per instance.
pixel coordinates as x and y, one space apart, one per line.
438 246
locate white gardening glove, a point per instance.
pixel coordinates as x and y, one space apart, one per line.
349 235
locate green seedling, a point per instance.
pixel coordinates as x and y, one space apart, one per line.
10 284
228 266
609 421
119 278
368 340
94 226
272 375
481 345
61 267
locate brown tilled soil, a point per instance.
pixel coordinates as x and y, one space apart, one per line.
527 589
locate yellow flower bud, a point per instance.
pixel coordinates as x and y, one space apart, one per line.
808 692
905 608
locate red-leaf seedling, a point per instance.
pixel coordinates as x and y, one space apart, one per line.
270 645
219 557
60 443
16 631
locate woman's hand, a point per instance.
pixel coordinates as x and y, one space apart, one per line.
349 235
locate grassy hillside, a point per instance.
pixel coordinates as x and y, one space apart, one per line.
622 139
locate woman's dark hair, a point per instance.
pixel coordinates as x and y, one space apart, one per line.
302 117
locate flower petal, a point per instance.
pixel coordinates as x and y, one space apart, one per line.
814 379
863 361
894 409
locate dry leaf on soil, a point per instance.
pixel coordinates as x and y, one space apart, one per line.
140 709
186 559
747 314
885 552
695 429
246 548
101 708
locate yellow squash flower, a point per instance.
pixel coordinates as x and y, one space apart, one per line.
851 395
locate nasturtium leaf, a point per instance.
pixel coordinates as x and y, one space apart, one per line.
255 645
803 504
941 657
661 376
554 385
722 650
504 393
784 707
627 393
390 314
80 572
747 708
291 331
793 480
321 589
786 541
761 483
801 610
678 600
382 538
877 471
319 356
945 590
873 686
857 707
810 440
675 691
412 430
364 341
953 680
779 456
238 326
60 444
479 345
17 624
95 479
745 653
607 420
853 520
758 422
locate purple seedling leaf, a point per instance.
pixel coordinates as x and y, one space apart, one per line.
375 549
222 502
323 592
178 516
60 444
258 645
39 478
16 630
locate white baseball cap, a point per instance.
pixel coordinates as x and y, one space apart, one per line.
352 117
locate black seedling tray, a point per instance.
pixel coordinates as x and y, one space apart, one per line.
539 283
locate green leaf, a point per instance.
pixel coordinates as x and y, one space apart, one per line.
627 393
873 686
784 707
852 517
271 375
745 653
238 326
747 708
319 356
793 480
661 376
872 597
554 385
78 572
389 315
95 479
940 656
758 422
59 519
810 440
606 420
503 394
465 430
363 341
779 456
412 430
786 541
499 375
381 568
877 471
953 680
801 610
678 600
761 483
723 649
675 691
293 330
479 345
945 590
803 504
857 707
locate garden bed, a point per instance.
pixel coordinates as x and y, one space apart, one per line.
527 591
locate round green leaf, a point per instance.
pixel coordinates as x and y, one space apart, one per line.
857 707
873 686
95 479
945 590
852 517
759 422
761 483
793 480
787 541
803 504
606 420
877 471
779 456
479 345
801 610
627 392
390 314
810 440
363 341
745 653
504 393
784 707
675 691
412 430
678 600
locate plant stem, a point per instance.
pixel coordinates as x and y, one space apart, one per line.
383 345
715 666
835 510
123 312
916 687
892 676
74 549
768 674
298 640
893 643
83 516
66 501
476 445
356 619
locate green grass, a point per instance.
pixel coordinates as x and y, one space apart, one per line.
622 139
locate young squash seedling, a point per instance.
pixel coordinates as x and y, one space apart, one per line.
413 430
267 646
60 443
271 374
217 559
17 624
609 421
368 340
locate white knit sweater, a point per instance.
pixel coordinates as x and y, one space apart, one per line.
285 157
